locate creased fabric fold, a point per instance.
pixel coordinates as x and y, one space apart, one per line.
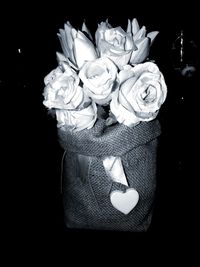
104 141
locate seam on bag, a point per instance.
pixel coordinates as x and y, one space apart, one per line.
88 175
61 172
89 182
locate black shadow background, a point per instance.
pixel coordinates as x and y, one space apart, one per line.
32 200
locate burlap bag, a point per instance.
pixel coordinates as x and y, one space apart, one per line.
86 187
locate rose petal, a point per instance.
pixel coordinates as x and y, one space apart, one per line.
152 36
69 32
135 26
128 30
125 73
60 57
52 75
84 51
85 29
142 52
63 42
122 114
140 34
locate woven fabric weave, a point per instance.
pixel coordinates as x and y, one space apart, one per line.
87 188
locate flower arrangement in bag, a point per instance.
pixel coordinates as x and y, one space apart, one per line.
110 70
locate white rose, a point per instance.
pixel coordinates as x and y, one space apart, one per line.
114 43
99 79
77 48
77 119
141 93
62 90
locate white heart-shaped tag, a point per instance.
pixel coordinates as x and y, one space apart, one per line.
124 201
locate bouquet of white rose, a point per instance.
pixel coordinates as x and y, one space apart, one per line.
106 96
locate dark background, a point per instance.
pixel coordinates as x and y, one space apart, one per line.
32 182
